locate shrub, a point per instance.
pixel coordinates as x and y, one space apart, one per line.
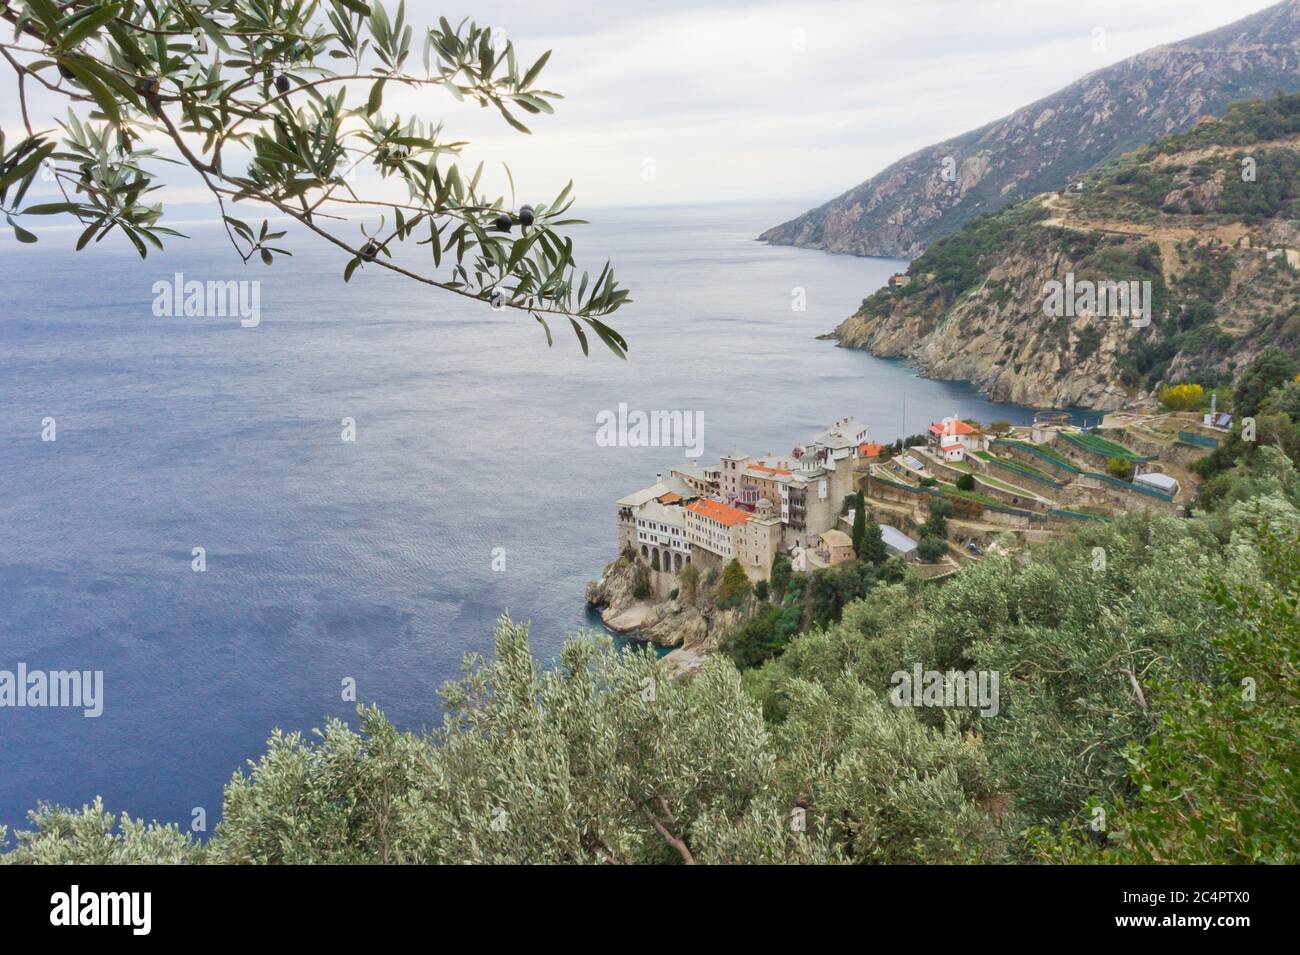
1186 397
688 582
966 482
1118 467
780 574
641 581
762 637
936 525
735 586
932 548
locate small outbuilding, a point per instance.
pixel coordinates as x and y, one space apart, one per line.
1159 482
836 547
897 543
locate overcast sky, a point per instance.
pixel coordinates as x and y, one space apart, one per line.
680 101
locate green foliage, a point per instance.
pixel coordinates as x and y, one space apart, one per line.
92 837
1120 468
966 482
1243 122
641 581
831 589
936 524
859 535
1087 343
873 545
688 583
762 636
1271 369
254 97
1158 684
780 574
735 586
1272 193
931 548
962 260
1216 782
602 759
887 788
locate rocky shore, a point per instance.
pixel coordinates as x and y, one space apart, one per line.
692 627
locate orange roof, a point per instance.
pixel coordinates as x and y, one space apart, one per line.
952 427
722 513
954 447
764 467
871 450
670 498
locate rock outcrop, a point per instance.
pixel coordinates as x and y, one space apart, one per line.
692 628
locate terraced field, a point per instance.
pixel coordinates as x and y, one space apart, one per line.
1018 466
1044 451
1099 445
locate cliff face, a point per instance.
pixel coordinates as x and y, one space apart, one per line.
693 628
993 340
1207 218
931 193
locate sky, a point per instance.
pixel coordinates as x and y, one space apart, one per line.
690 101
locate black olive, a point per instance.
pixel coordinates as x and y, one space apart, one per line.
66 73
525 215
282 83
148 86
370 251
502 222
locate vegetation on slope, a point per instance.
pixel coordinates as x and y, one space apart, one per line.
1148 710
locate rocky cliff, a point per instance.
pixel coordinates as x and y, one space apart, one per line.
1208 218
693 627
931 193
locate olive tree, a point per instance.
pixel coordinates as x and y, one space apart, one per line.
277 107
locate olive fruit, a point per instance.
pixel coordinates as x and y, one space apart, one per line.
148 86
282 83
66 73
502 222
525 216
370 251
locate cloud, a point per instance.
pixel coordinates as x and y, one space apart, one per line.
729 100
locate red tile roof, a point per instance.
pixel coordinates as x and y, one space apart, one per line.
763 467
870 450
670 498
722 513
951 427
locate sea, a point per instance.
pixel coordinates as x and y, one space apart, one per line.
181 508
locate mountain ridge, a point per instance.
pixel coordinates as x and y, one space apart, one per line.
902 209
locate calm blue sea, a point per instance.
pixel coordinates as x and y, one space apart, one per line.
371 560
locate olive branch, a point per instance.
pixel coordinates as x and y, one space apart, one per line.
246 94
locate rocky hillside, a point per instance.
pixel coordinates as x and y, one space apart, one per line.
1208 217
933 192
692 625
